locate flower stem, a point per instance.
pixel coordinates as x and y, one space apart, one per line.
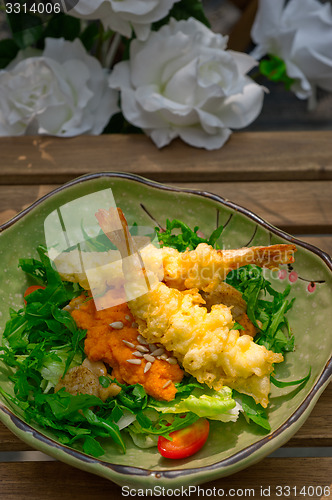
111 53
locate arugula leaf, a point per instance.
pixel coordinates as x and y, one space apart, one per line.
16 333
41 341
252 410
301 381
133 397
186 238
267 315
70 418
111 428
163 426
35 268
92 447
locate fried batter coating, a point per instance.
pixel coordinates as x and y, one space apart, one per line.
205 267
202 341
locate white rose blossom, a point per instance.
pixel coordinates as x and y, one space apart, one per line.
61 91
182 82
123 16
299 33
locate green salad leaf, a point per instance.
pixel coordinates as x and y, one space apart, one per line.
253 411
203 402
151 423
301 382
186 237
268 315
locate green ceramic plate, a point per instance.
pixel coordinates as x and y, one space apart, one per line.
230 447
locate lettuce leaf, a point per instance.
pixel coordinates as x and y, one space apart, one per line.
203 402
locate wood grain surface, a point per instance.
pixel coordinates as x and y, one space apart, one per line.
257 156
272 475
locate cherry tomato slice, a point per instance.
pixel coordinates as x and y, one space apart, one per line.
185 442
31 289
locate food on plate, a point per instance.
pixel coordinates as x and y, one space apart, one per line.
203 342
145 341
121 348
185 442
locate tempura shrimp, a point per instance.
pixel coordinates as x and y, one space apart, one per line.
205 267
203 342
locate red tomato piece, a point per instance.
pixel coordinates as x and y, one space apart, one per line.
31 289
185 442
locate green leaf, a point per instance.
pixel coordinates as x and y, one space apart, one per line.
275 70
215 236
253 411
35 268
77 334
237 326
267 315
281 384
64 405
164 427
203 402
8 52
26 28
92 447
133 397
186 237
111 428
184 10
16 332
89 35
104 381
62 25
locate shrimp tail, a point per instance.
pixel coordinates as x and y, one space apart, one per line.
114 225
270 257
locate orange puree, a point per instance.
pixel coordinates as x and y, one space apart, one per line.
104 343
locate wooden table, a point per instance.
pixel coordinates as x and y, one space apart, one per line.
284 177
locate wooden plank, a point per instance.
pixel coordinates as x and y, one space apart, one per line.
272 477
10 442
296 207
317 430
246 156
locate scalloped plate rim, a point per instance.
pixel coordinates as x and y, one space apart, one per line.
40 441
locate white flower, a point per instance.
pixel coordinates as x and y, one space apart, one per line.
181 82
124 15
300 33
62 91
